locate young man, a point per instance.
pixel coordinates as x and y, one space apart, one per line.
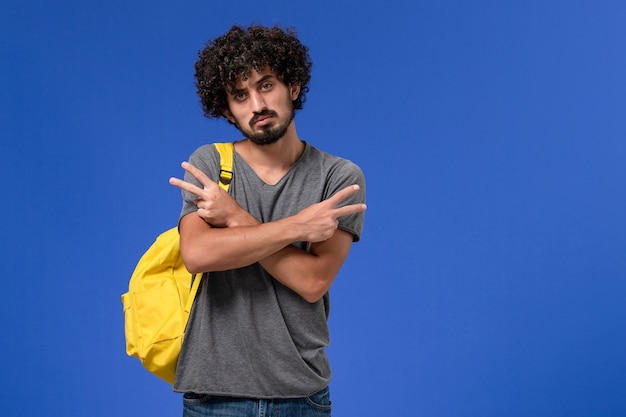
270 247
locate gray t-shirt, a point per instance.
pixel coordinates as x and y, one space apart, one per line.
248 335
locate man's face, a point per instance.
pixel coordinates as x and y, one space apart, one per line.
261 106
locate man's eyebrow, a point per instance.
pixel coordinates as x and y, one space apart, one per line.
234 90
265 78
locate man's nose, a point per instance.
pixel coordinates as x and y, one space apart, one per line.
257 102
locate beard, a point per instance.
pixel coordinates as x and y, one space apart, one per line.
268 134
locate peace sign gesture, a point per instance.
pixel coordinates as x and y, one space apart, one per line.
215 206
318 222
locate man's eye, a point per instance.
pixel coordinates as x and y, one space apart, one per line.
240 96
266 86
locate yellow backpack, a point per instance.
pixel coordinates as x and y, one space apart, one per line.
160 295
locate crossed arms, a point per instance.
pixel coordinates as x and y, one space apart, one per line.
221 235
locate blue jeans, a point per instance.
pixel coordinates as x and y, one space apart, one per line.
197 405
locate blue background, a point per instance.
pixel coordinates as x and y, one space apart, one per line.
490 279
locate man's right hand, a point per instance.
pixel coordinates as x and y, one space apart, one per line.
215 206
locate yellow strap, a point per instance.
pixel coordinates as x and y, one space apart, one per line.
226 175
194 290
226 163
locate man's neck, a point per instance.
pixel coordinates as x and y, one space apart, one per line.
271 162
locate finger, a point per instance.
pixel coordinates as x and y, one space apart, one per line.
350 209
199 203
198 174
186 186
341 195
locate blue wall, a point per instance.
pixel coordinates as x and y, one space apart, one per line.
490 280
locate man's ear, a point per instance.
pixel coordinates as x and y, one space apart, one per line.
228 115
294 89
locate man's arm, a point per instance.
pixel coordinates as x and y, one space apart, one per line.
310 274
205 248
242 240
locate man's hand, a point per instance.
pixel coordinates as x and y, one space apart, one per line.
215 206
318 222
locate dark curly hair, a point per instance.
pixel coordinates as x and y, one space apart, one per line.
224 59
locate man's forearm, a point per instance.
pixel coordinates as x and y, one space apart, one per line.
206 249
311 273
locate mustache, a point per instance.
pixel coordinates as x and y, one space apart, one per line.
262 113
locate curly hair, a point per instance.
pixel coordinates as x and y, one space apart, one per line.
226 58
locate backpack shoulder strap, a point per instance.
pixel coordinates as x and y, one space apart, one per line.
226 151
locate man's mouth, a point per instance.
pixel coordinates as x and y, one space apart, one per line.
262 119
